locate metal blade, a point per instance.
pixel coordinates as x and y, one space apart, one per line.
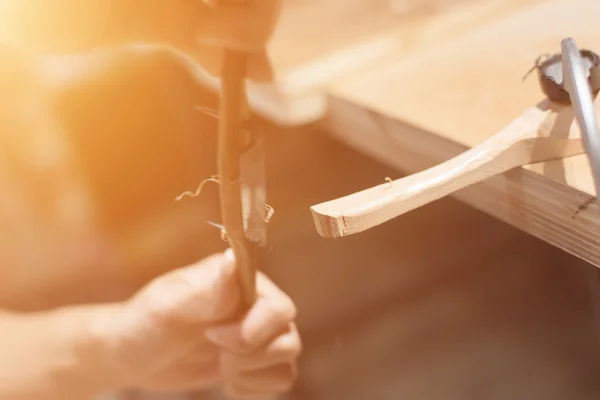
253 187
576 82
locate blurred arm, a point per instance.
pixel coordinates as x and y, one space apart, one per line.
71 26
60 25
53 355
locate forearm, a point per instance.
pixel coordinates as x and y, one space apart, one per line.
54 355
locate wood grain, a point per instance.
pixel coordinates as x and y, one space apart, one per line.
542 133
474 84
317 42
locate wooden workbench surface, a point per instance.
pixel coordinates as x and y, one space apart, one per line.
319 41
445 303
424 107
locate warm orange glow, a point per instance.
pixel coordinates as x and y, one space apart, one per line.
57 25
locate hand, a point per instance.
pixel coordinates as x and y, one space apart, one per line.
178 334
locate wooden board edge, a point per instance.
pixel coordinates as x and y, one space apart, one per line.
285 101
558 214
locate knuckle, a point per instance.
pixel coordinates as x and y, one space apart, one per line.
295 348
158 308
283 309
293 311
288 347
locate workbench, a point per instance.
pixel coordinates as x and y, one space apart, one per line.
445 302
424 91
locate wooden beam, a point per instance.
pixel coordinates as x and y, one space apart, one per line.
423 108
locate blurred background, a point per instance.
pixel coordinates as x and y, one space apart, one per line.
443 303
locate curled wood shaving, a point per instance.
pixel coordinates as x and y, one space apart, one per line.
389 180
213 178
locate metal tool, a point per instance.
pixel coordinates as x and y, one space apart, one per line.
241 172
575 80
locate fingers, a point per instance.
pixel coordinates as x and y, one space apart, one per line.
262 384
206 292
284 349
190 374
269 317
255 357
258 356
239 393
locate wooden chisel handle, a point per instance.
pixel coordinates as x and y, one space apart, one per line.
231 114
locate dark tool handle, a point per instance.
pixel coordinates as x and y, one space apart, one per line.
231 117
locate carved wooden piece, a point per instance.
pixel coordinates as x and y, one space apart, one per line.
542 133
473 88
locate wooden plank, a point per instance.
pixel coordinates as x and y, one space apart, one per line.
416 111
317 42
542 133
359 33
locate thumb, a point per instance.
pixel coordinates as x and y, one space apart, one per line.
206 292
